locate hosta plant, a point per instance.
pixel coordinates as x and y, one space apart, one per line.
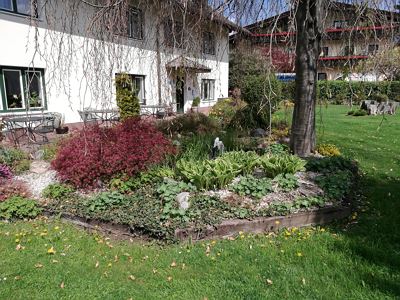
274 165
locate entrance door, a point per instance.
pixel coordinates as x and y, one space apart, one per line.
180 94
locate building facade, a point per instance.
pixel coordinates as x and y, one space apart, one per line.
63 56
350 34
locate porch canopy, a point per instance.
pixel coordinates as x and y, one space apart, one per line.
187 64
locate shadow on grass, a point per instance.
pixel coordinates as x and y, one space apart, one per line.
375 238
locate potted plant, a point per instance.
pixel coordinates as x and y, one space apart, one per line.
60 127
196 103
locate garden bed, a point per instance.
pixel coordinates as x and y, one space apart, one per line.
177 191
227 228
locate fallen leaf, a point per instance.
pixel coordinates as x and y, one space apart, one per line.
54 261
97 264
62 285
131 277
169 278
269 281
173 264
17 278
19 247
154 271
51 250
303 281
38 266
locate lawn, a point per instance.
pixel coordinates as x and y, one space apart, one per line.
357 259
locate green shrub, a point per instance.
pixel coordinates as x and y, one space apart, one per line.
22 166
359 113
225 110
262 95
19 208
10 155
57 191
154 175
380 97
50 151
274 165
168 191
252 187
127 101
335 185
341 92
331 164
104 201
189 123
196 102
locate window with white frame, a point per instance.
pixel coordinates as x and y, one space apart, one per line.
21 89
135 23
207 89
24 7
138 86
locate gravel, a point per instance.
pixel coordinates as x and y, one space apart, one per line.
38 181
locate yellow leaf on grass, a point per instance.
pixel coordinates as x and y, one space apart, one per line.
38 266
269 281
97 264
62 285
169 278
131 277
51 250
173 264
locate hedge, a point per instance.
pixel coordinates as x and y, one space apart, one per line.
341 92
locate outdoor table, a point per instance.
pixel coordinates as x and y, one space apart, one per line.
30 126
153 110
99 115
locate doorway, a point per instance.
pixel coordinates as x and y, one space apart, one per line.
180 94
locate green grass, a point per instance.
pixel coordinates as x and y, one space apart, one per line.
359 259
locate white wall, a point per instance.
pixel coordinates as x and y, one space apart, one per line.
77 79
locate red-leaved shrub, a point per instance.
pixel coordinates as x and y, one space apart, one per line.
98 153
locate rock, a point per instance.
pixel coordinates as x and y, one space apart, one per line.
38 155
39 167
258 132
183 200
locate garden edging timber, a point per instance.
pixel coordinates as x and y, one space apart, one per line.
227 227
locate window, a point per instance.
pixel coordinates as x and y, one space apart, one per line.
349 50
21 88
208 43
340 24
207 89
138 86
322 76
24 7
373 49
173 34
325 51
135 24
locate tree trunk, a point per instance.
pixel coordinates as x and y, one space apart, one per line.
308 19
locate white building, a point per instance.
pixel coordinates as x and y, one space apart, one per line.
57 56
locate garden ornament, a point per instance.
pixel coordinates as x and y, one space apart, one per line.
218 148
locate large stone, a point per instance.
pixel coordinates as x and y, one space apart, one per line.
39 166
183 200
258 132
